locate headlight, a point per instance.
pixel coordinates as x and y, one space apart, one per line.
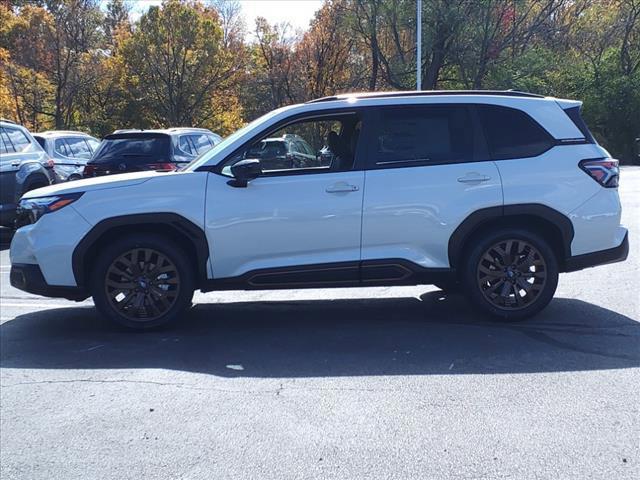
31 209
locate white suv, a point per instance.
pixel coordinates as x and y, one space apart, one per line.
489 193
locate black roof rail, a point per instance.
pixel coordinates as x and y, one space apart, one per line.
6 120
426 93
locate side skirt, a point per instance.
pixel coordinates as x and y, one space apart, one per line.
367 273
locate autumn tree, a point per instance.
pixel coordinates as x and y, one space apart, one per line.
175 62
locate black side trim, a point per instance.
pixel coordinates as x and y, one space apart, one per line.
481 217
612 255
29 278
171 221
341 274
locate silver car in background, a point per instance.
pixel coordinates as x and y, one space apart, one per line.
70 151
24 166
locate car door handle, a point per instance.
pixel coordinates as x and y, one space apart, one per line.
15 164
342 188
474 178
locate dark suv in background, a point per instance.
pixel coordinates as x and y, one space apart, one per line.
70 151
137 150
24 166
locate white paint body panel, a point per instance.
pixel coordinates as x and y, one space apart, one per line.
410 213
50 243
282 221
555 180
596 223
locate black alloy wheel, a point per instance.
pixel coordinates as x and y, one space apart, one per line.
142 284
510 273
143 281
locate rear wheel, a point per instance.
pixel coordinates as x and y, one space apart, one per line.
511 274
143 282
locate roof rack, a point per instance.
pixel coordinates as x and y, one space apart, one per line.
426 93
6 120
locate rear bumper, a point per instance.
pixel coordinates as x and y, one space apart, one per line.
29 278
602 257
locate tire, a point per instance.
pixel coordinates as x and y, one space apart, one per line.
502 265
142 281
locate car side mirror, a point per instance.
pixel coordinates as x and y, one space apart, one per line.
244 171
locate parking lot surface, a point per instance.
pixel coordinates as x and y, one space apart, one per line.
380 383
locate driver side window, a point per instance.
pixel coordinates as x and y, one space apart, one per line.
311 145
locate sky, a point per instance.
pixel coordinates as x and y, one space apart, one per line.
297 12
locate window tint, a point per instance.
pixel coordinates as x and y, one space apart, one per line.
60 147
201 142
313 145
79 148
41 141
185 145
134 148
18 139
430 134
511 133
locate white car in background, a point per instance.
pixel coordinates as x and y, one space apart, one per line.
69 150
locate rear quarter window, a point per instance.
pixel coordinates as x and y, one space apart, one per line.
511 133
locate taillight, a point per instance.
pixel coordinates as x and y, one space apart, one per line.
163 167
89 171
605 171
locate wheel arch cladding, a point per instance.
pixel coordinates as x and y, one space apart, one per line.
178 228
552 225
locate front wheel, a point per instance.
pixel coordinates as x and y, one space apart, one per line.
143 281
511 274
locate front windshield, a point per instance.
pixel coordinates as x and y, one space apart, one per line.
206 156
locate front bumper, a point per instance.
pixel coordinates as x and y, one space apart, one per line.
29 278
602 257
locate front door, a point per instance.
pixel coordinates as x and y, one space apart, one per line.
297 224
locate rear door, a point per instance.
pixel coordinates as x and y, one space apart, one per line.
427 171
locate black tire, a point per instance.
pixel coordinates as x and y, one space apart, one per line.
531 268
157 291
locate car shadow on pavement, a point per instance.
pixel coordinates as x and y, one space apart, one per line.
392 336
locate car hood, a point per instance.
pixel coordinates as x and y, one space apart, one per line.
97 183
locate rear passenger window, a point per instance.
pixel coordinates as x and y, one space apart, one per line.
185 145
18 139
430 134
511 133
79 148
201 142
61 147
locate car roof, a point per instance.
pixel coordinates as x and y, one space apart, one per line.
61 133
167 131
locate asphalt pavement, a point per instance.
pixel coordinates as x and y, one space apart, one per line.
375 383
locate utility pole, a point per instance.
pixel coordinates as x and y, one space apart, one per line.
419 46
